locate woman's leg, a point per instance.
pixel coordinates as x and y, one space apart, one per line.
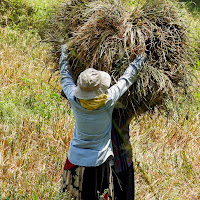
124 188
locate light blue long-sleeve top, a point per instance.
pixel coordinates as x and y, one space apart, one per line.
91 144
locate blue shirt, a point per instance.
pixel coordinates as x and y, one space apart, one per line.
91 144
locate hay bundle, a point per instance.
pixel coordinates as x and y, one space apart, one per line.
106 36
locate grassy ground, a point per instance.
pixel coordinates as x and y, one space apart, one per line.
36 126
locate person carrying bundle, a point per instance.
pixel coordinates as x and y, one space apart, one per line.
122 164
87 172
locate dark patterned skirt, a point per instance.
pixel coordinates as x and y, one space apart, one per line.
87 183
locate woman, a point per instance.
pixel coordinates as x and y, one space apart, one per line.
123 176
87 172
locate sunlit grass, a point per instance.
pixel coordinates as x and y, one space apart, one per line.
166 157
36 126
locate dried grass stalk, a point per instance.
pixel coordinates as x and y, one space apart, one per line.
106 36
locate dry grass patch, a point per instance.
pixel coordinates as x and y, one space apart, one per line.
34 125
166 157
107 35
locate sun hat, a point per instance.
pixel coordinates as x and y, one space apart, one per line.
91 83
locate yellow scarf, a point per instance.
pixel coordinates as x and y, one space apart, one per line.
93 104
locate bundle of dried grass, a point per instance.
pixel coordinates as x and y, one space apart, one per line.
106 36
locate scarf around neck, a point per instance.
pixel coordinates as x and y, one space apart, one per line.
93 104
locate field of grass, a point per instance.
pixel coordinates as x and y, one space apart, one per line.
36 124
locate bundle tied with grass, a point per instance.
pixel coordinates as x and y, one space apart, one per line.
107 36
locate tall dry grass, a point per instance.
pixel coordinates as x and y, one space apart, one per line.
166 157
36 127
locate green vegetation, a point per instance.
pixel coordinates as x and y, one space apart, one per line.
193 6
26 15
16 14
36 124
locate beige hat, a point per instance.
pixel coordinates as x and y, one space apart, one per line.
92 83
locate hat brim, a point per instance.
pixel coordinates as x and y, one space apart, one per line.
103 86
